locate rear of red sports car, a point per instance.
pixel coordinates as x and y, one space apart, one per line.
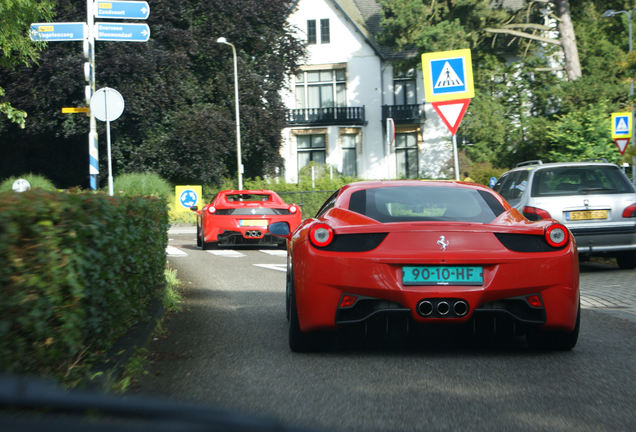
242 217
417 253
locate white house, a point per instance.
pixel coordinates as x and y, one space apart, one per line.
339 101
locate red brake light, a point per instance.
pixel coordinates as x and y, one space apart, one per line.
321 235
347 301
557 235
535 214
211 209
630 211
534 301
293 209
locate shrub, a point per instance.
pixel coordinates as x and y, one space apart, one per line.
37 182
142 184
78 270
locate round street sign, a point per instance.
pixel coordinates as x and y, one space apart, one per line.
107 104
21 185
188 198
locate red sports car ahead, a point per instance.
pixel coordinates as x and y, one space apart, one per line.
407 252
242 217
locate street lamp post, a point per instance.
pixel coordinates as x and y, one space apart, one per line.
222 40
607 14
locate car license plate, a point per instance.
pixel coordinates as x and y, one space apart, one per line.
253 222
442 275
586 215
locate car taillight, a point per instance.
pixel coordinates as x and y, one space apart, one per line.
211 209
557 235
630 211
321 235
292 209
535 214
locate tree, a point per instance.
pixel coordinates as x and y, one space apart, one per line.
519 93
15 45
178 89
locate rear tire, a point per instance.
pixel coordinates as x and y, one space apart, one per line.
198 236
555 340
626 260
299 341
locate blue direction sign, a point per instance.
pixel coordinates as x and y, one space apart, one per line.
122 10
122 32
188 198
55 32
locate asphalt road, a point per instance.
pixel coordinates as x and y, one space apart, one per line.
228 348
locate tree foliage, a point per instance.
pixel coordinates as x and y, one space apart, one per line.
16 47
524 106
178 90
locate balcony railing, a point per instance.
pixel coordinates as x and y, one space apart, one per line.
404 114
326 116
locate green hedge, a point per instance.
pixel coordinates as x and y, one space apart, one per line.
78 269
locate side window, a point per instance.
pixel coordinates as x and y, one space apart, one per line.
511 186
331 201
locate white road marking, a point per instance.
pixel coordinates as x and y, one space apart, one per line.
277 267
274 252
227 253
174 252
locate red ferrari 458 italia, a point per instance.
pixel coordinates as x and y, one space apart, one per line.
413 253
242 217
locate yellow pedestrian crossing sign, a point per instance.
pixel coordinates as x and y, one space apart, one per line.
621 125
448 75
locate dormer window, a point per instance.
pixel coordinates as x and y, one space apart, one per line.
324 31
311 31
312 35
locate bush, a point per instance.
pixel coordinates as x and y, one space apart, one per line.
78 270
36 181
142 184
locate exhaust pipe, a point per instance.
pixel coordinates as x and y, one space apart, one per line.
443 308
460 307
425 308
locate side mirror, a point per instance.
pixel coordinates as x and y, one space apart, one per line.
280 229
194 208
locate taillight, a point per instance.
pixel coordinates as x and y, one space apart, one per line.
557 235
321 235
535 214
211 209
630 211
534 300
293 209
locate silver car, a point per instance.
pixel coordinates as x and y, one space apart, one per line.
595 200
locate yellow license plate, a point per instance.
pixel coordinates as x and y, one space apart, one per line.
586 215
253 222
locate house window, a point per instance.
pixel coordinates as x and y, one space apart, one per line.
321 88
311 31
404 88
324 31
311 148
406 155
348 144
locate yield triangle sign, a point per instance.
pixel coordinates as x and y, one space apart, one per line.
621 143
451 112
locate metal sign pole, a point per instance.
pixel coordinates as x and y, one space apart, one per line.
455 157
110 164
93 149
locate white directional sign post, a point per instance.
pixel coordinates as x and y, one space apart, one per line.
107 105
89 32
448 86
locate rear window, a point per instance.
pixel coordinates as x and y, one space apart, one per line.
248 197
579 180
426 203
